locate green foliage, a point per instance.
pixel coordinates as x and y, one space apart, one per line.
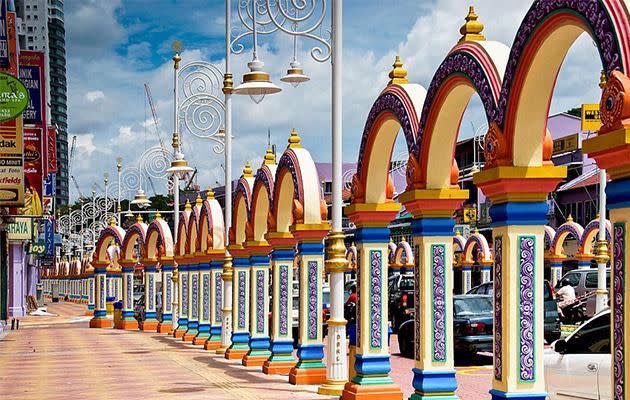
576 112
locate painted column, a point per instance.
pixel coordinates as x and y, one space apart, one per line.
310 368
128 321
182 290
226 322
150 318
166 325
100 319
282 255
216 301
584 260
193 301
486 271
259 304
556 270
240 304
203 301
372 360
91 294
466 277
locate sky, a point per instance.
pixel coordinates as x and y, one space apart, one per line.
114 47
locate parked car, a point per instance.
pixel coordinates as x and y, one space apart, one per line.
472 327
400 291
584 281
552 319
578 367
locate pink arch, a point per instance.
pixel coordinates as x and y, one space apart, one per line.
568 228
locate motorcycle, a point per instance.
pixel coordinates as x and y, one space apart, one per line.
573 311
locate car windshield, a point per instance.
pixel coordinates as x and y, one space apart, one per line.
467 306
406 283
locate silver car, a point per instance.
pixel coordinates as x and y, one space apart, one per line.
584 281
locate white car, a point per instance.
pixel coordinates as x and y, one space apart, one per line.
579 367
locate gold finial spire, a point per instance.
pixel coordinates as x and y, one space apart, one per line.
570 218
112 221
210 194
458 232
476 231
398 75
270 158
247 171
158 215
139 219
603 80
294 140
177 47
199 201
187 207
471 30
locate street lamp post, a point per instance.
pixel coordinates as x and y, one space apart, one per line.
119 172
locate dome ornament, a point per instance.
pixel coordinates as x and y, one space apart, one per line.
210 194
187 207
294 140
270 158
398 75
247 171
471 30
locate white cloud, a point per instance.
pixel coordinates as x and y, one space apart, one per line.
94 96
85 145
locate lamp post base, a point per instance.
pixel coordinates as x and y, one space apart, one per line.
332 387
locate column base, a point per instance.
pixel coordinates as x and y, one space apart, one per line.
164 327
272 367
200 339
439 384
500 395
127 324
385 391
222 349
89 313
302 374
256 358
189 336
101 323
212 344
235 354
148 326
332 387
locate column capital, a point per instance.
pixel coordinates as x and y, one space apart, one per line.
310 232
238 251
215 254
433 202
149 262
372 215
281 240
504 184
257 248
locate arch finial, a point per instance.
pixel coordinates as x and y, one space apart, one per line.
247 171
139 219
270 158
187 207
159 216
294 140
471 30
112 221
398 75
570 218
199 201
210 194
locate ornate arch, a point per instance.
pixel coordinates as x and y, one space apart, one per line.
546 34
590 231
262 201
550 234
182 231
478 242
459 242
568 228
159 240
391 252
211 225
110 234
404 249
192 233
470 67
351 256
297 196
136 233
396 108
241 208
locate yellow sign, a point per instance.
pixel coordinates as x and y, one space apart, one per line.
12 163
590 117
566 144
21 229
470 214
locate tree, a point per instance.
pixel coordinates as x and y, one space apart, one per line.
576 112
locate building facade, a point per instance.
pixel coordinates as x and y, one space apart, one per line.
41 28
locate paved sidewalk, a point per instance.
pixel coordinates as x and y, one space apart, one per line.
70 361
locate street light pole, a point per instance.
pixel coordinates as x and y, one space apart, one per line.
226 329
176 60
119 172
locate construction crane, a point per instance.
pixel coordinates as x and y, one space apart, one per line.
76 185
72 149
156 120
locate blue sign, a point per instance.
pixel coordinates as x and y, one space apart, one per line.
4 36
50 186
31 78
49 237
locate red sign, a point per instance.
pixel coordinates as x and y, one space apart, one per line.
33 171
51 150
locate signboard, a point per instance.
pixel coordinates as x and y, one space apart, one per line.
33 172
21 229
49 237
590 117
47 205
13 97
470 214
51 150
566 144
4 37
32 76
50 185
37 248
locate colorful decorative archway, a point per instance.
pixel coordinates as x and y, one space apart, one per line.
132 252
183 259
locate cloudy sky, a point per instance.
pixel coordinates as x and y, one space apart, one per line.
116 46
